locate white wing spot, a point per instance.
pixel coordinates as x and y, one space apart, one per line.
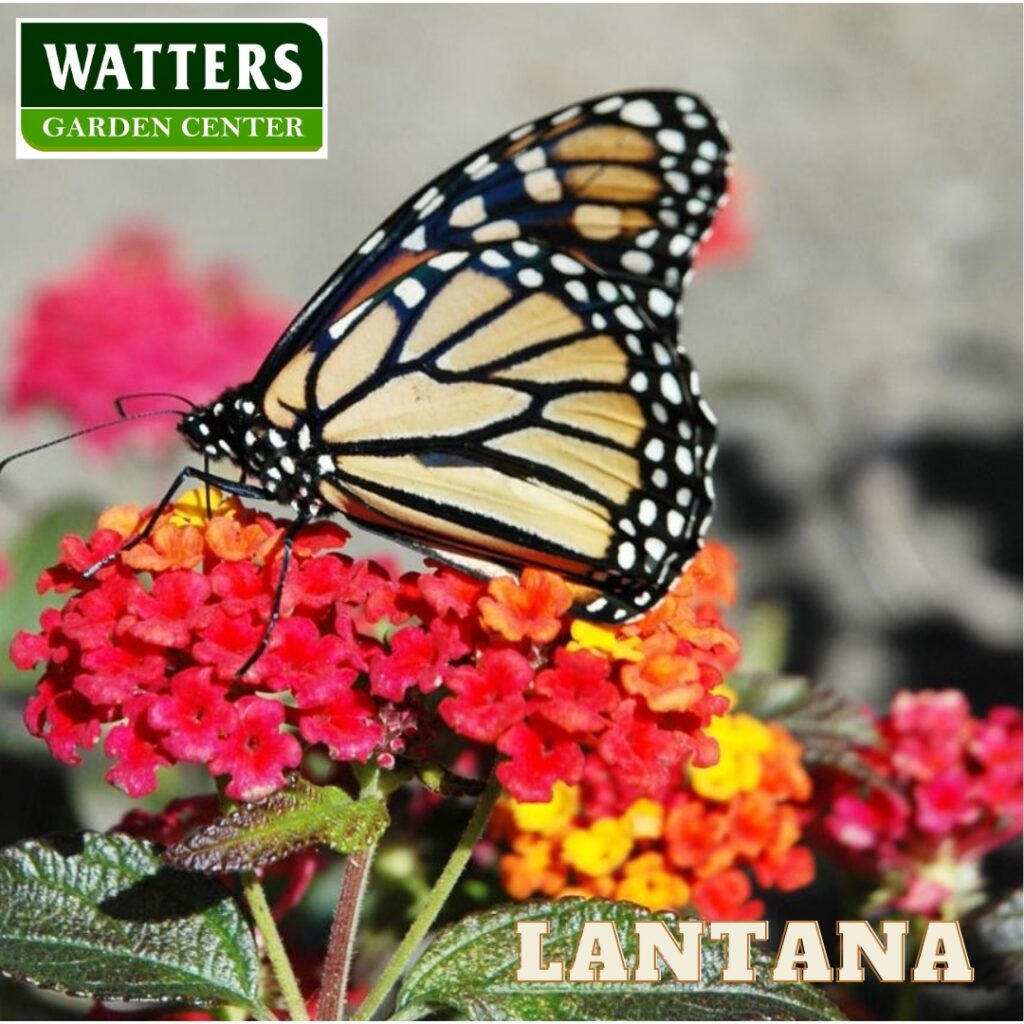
530 277
426 198
672 140
431 207
641 112
496 231
532 160
411 292
627 555
670 388
543 186
655 449
679 245
372 242
566 115
494 259
468 213
416 240
637 262
448 260
342 324
566 264
628 318
655 547
578 290
660 302
679 181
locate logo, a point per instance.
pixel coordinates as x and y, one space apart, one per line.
128 87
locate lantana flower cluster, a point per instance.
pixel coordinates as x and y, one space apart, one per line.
946 791
698 836
149 656
701 841
129 312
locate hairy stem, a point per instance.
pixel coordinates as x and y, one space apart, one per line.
438 895
334 983
274 947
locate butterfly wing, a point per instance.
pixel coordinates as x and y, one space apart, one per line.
511 403
629 182
495 375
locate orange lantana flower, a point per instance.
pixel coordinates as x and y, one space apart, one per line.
530 608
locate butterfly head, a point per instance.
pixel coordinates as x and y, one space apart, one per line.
217 430
281 461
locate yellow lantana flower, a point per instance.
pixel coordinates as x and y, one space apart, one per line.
742 740
587 636
191 508
599 849
550 818
644 818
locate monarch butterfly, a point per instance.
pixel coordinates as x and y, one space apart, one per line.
494 376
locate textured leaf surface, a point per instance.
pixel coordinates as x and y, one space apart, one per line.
102 915
469 969
827 725
292 819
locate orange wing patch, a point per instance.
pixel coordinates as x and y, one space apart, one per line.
612 182
354 361
536 319
608 414
407 406
598 360
467 297
607 142
553 516
288 388
604 470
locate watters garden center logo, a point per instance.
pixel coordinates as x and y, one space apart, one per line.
121 87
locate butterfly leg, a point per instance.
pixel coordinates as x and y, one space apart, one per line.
275 609
188 473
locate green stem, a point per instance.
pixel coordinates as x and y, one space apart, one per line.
334 983
274 947
439 894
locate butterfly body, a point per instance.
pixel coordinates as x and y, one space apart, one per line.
495 374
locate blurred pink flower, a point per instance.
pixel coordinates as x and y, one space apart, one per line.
949 791
131 318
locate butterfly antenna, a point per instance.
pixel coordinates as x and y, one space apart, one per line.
119 402
87 430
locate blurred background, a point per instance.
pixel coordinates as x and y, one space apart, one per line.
857 324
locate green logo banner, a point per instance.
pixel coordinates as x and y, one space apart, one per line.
149 88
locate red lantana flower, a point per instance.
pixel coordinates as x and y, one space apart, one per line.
151 649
